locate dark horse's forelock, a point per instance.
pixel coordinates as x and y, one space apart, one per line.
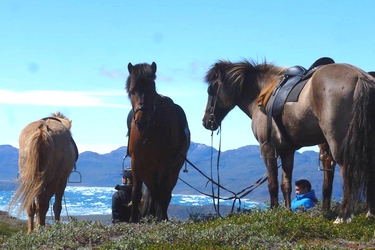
233 76
140 72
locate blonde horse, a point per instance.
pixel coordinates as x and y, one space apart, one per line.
47 155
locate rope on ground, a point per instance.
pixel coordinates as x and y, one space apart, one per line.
235 196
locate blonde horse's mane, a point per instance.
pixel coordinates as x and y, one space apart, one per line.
64 120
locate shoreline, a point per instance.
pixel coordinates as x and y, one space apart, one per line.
175 212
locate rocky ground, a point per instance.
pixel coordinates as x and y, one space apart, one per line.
11 221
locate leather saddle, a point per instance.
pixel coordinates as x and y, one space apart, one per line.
288 89
291 84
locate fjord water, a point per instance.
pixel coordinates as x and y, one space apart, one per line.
98 201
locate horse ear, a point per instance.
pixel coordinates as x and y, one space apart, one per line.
153 67
130 67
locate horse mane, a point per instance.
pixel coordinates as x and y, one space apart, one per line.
64 120
234 77
140 72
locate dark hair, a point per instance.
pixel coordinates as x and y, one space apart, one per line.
303 184
127 174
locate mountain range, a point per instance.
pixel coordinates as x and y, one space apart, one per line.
237 170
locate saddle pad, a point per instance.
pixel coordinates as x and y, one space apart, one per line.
265 94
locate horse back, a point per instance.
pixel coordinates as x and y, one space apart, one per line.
167 137
335 84
174 122
334 90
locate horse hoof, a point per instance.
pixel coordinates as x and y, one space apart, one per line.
338 221
342 220
369 214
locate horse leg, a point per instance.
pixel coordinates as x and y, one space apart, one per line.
145 203
37 217
329 173
165 195
57 205
287 173
370 196
42 209
30 221
136 199
152 205
273 186
148 203
345 214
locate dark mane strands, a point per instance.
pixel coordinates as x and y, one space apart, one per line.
234 76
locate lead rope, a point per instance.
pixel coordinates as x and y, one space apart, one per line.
218 175
66 209
216 198
52 213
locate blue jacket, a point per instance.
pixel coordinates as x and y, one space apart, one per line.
306 200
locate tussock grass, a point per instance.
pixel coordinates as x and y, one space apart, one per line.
257 229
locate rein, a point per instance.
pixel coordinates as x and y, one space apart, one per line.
212 119
234 196
217 207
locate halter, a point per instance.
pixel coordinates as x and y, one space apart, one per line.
144 109
212 119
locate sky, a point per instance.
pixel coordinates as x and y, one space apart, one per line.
72 56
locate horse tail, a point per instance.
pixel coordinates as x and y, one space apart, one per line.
358 149
38 149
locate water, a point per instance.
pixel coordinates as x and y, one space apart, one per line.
98 201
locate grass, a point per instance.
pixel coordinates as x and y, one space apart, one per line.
257 229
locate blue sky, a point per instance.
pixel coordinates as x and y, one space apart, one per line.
72 56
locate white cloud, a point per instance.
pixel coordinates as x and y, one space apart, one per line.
61 98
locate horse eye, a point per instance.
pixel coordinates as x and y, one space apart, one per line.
210 90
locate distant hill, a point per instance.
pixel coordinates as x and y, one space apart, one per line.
238 169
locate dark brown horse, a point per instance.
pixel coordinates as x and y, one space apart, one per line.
336 106
46 158
159 139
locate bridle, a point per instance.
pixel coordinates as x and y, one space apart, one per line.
144 109
212 118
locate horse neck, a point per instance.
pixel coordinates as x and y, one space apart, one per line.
248 101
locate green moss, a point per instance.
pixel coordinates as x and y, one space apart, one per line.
268 229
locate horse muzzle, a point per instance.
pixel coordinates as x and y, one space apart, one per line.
210 122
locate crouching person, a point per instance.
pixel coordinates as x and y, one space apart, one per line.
305 196
121 199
